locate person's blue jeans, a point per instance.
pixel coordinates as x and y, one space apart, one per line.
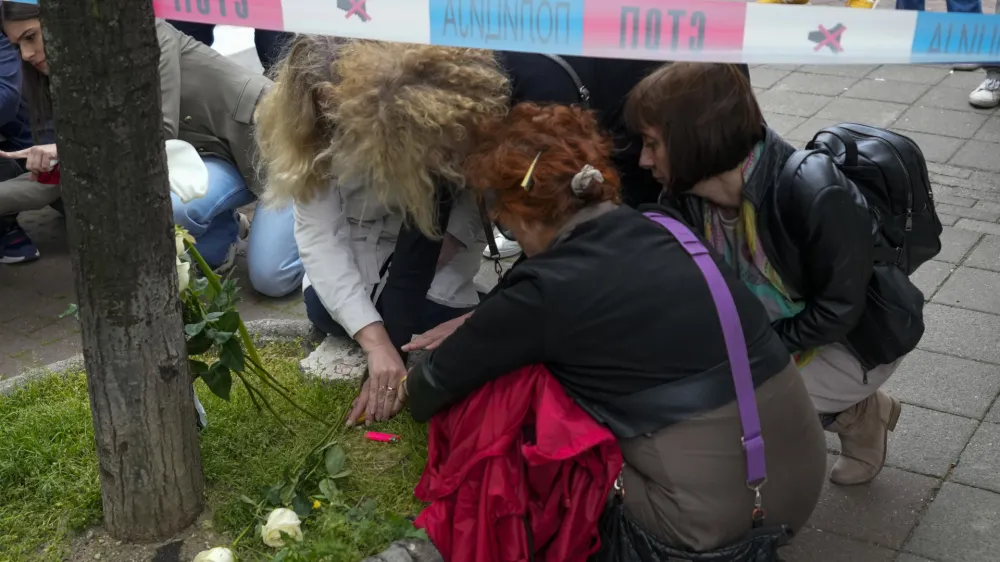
955 6
272 255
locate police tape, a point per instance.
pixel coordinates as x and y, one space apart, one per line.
691 30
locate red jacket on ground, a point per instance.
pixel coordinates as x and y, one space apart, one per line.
517 451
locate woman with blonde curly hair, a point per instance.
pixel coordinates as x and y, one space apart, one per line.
623 314
363 137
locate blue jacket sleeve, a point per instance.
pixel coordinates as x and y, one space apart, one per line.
10 81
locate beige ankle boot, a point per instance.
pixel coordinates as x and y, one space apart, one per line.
863 429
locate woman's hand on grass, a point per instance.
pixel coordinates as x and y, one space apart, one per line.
377 400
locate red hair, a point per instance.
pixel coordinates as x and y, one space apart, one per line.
568 138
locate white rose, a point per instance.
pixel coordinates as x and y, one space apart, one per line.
280 521
217 554
183 274
179 241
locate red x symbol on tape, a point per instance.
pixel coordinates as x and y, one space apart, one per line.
358 8
831 38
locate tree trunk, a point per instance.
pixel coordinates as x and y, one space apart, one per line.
103 56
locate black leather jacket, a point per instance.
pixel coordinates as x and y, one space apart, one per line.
818 234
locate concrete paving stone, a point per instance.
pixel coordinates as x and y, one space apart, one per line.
868 112
785 67
884 90
978 464
928 442
955 243
14 345
11 367
792 103
962 191
808 129
53 351
978 154
812 545
973 225
965 81
962 524
853 70
990 131
940 121
986 215
987 206
909 73
763 77
993 416
986 255
758 91
821 84
984 180
961 332
950 171
882 512
947 220
783 124
929 277
945 383
950 199
945 97
936 148
904 557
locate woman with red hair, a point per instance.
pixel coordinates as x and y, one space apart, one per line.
617 311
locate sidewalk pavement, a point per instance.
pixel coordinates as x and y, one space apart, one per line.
939 497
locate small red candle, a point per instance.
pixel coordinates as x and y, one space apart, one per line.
381 437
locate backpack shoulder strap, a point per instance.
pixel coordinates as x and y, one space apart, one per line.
581 89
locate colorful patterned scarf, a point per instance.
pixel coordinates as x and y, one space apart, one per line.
751 264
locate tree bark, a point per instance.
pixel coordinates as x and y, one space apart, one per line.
103 56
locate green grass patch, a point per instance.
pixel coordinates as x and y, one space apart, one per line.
48 467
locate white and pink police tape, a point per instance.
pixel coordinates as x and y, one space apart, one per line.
694 30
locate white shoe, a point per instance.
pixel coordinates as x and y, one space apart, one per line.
507 248
966 67
244 234
987 95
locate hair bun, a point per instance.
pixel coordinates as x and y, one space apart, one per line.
584 179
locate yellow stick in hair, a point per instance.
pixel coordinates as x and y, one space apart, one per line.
528 181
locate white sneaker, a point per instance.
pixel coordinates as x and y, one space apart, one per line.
244 233
987 95
507 248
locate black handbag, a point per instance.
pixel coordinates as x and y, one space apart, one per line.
622 539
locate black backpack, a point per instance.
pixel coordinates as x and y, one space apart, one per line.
890 171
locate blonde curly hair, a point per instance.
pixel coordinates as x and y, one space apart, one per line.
396 117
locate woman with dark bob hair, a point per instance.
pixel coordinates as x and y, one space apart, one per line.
805 248
612 304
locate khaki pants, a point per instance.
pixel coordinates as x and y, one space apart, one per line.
23 194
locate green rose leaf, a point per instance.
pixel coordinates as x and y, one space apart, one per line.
288 493
232 355
335 460
328 488
229 321
273 494
213 316
197 367
193 330
199 344
219 380
301 506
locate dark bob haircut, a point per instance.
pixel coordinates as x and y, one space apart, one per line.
706 114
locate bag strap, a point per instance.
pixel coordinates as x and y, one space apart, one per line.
581 89
736 348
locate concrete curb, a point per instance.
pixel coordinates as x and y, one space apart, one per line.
264 331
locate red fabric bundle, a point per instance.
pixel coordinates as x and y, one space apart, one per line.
517 454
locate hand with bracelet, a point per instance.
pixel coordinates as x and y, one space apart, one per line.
378 398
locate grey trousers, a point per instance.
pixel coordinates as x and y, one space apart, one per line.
23 194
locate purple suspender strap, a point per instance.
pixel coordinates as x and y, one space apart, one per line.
736 347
